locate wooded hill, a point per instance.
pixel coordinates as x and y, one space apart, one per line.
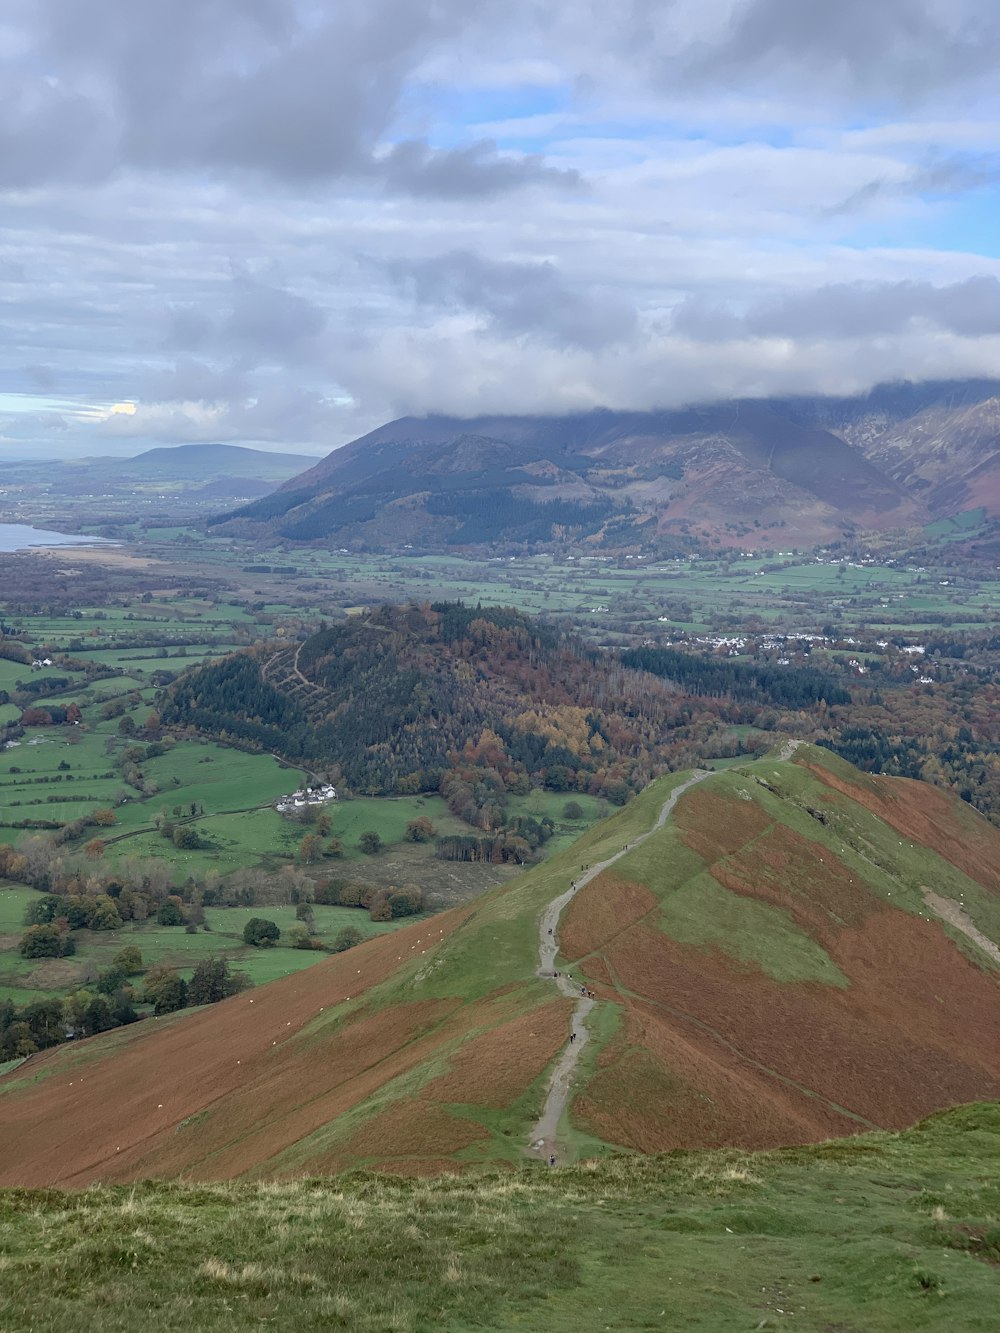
475 702
399 697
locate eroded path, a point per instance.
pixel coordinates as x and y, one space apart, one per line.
956 916
544 1132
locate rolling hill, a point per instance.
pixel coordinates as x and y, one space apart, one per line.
398 697
756 473
801 951
204 471
204 463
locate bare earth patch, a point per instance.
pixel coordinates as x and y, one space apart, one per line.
56 973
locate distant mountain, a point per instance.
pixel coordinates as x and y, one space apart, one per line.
204 473
195 463
210 461
770 967
755 473
940 440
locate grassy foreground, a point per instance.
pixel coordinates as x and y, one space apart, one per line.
884 1232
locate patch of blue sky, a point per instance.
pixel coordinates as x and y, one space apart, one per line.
453 116
963 226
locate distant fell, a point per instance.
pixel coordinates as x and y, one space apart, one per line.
203 462
752 473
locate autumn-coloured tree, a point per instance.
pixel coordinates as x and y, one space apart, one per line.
310 849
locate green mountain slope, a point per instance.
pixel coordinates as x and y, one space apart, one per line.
768 969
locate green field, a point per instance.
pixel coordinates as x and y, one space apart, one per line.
32 786
886 1233
14 901
173 946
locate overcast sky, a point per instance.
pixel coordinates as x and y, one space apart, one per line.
282 222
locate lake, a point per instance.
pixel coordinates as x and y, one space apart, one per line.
18 537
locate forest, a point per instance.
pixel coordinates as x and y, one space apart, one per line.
785 686
398 698
477 702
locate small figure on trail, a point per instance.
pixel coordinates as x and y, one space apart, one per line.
550 930
583 990
572 1036
552 1160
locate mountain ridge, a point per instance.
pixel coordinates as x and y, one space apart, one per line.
767 972
756 473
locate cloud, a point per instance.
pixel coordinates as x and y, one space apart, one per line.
300 92
518 299
263 324
477 171
280 221
859 311
890 51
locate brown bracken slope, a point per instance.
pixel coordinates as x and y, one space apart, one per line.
767 968
776 986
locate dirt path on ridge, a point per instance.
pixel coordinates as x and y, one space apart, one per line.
544 1132
788 749
956 916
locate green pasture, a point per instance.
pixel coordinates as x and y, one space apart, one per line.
788 590
150 658
231 841
25 794
12 672
959 527
14 900
540 804
173 946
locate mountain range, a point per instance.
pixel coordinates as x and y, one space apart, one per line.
751 473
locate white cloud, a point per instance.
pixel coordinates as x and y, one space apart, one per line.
280 221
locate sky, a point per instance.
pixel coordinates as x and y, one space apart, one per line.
280 223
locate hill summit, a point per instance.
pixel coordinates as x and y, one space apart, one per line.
774 954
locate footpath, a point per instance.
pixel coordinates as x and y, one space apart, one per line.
543 1140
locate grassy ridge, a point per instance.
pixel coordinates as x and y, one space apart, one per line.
882 1233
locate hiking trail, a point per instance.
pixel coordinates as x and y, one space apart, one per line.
544 1131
